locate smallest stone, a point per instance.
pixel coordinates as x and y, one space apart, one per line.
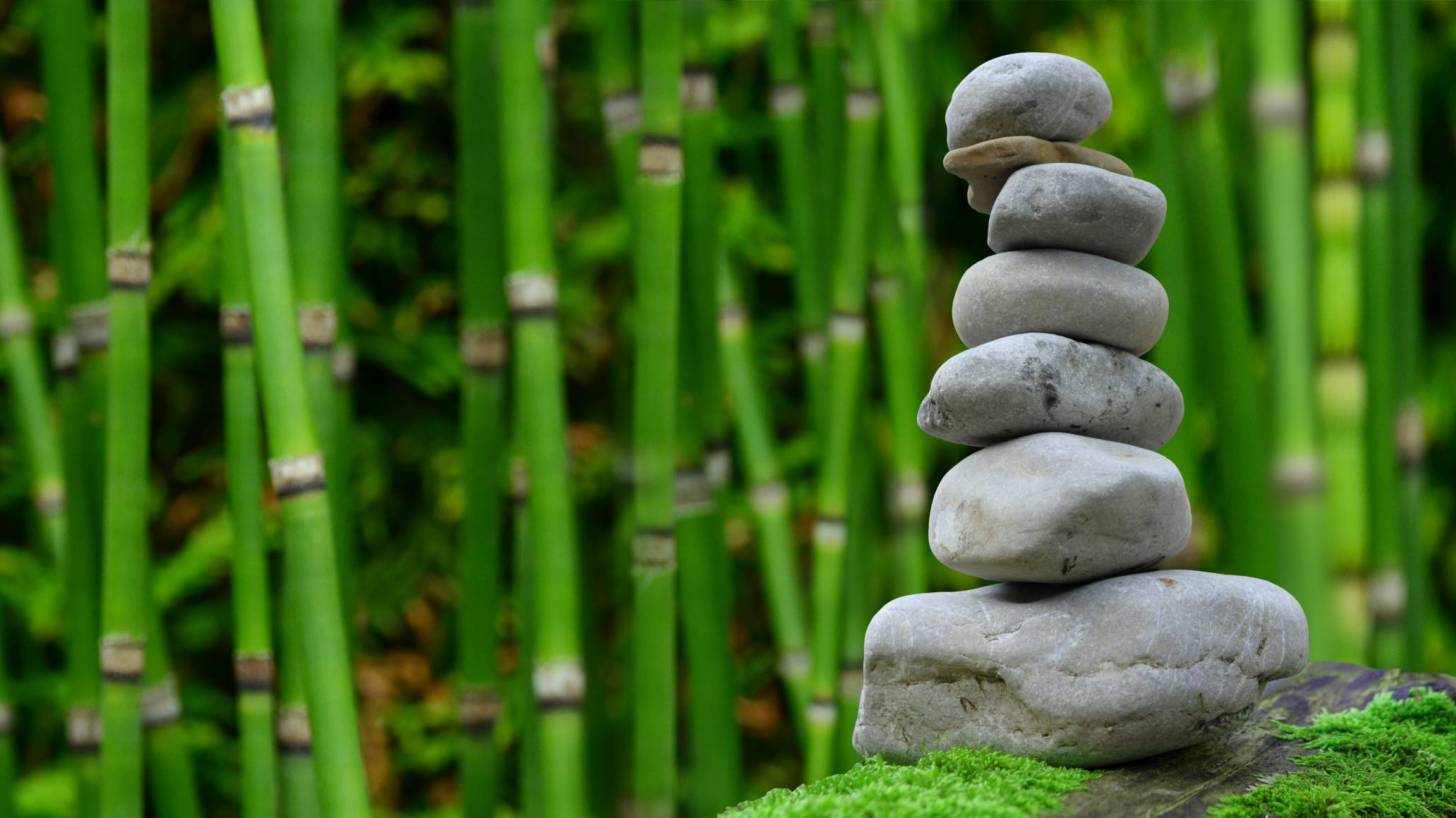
1048 96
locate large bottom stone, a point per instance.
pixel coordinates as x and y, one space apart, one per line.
1099 674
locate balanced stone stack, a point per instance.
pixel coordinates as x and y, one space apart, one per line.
1085 654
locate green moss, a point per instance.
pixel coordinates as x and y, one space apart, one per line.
964 782
1394 758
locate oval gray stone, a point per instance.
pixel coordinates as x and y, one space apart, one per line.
1090 675
987 165
1036 382
1079 295
1059 508
1049 96
1071 206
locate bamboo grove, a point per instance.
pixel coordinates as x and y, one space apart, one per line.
490 405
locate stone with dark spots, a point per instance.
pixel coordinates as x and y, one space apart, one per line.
1038 382
1077 207
1090 675
1058 508
1049 96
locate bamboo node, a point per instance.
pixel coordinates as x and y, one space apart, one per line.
830 533
907 495
786 98
731 320
83 730
293 734
7 718
478 710
248 106
235 324
91 325
812 345
692 493
769 497
851 681
129 268
1372 156
531 294
847 326
15 321
318 327
293 476
822 711
1298 476
1187 89
1410 435
1387 596
718 463
123 658
546 49
50 498
520 481
160 704
822 22
253 671
884 288
1278 104
654 548
483 349
699 88
65 354
660 158
622 114
559 685
344 364
795 664
862 103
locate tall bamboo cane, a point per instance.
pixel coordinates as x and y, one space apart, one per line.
482 402
7 735
846 391
66 75
616 77
171 782
253 657
827 107
125 612
555 609
296 464
298 780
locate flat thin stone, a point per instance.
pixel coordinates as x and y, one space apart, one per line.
1059 508
1090 675
1079 295
1037 382
1049 96
1077 207
987 165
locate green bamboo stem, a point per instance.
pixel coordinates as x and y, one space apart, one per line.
1388 586
555 608
171 782
299 787
716 776
1303 565
827 107
846 392
66 76
1241 457
768 495
524 710
124 611
861 595
296 464
616 80
8 766
482 404
253 657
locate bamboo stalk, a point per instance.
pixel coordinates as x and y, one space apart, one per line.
8 764
1303 565
66 77
827 107
482 404
555 592
861 597
298 779
253 657
524 709
125 612
171 782
846 392
616 79
296 464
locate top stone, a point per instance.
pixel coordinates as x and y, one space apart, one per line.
1049 96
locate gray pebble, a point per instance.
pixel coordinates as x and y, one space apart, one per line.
1036 382
1049 96
1059 508
1077 207
987 165
1089 675
1079 295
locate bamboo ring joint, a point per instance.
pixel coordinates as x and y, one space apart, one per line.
253 671
248 106
123 658
786 98
1279 104
479 710
318 327
1185 90
129 268
531 294
660 158
14 322
699 89
559 685
294 736
830 533
83 730
160 704
344 364
293 476
483 349
91 326
235 323
692 492
654 548
622 113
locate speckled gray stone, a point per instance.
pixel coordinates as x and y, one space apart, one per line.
1077 207
1037 382
1078 295
987 165
1049 96
1059 508
1089 675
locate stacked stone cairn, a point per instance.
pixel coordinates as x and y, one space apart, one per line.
1085 654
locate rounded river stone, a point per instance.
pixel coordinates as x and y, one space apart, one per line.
987 165
1055 507
1036 382
1088 675
1079 295
1077 207
1049 96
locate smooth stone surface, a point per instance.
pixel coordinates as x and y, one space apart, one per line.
1036 382
1091 675
1049 96
1077 207
1079 295
987 165
1059 508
